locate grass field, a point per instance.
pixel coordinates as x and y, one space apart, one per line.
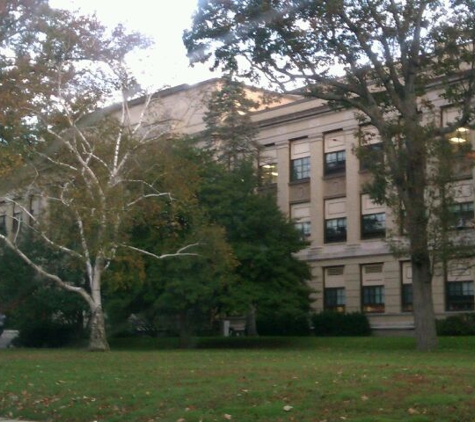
305 380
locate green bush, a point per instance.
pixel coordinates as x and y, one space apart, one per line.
283 325
329 323
457 325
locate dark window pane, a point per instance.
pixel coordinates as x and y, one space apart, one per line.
373 225
335 162
459 296
407 298
334 299
335 230
373 299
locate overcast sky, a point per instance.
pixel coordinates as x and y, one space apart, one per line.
164 21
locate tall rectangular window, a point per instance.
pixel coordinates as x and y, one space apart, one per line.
406 287
300 214
267 165
373 219
3 224
371 148
299 159
334 297
335 220
16 222
372 288
334 153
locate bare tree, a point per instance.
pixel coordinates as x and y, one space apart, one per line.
85 165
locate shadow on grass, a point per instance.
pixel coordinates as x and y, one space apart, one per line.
297 343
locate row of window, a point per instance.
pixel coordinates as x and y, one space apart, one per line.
372 226
334 163
459 296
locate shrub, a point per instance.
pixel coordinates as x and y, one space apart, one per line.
283 325
457 325
329 323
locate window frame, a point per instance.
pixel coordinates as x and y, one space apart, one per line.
268 174
338 300
300 169
376 302
407 299
339 237
340 165
304 228
462 302
376 233
462 219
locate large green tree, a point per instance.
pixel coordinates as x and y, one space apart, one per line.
171 293
230 133
270 279
86 165
381 58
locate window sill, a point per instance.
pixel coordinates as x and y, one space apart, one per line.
334 175
299 181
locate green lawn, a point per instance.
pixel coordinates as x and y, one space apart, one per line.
305 380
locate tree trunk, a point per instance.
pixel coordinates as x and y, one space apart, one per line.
98 340
424 318
251 326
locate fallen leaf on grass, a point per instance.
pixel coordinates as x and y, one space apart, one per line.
287 408
227 417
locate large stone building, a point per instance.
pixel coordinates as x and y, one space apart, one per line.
308 160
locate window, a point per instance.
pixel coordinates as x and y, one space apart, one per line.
406 287
268 174
300 169
371 155
334 299
3 224
372 289
304 228
373 299
16 222
373 225
459 296
300 214
406 298
462 215
335 230
335 162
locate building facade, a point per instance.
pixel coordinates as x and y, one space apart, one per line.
308 155
307 159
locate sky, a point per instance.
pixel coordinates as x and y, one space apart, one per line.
163 21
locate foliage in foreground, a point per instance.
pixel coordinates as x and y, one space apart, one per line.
310 379
339 324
